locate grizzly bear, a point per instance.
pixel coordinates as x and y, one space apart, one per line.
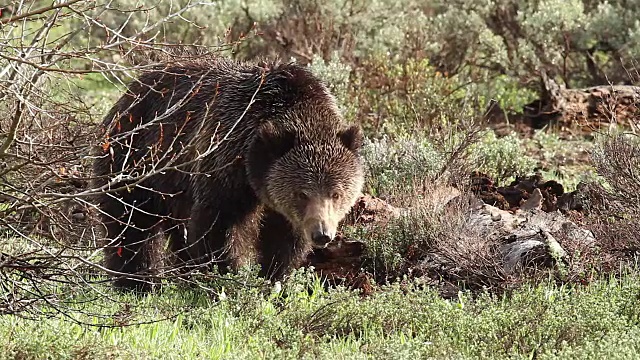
229 162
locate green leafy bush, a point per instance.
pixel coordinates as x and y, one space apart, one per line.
336 75
396 96
397 167
502 158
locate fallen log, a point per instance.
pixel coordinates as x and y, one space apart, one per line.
583 110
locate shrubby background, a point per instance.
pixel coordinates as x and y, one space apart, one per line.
422 78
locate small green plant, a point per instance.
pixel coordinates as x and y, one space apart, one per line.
502 158
397 167
396 244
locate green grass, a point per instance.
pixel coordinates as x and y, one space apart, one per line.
398 321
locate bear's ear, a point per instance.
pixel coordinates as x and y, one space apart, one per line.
274 142
269 144
352 137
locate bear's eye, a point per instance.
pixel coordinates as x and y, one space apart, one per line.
335 196
301 196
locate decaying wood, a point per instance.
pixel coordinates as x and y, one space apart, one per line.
583 109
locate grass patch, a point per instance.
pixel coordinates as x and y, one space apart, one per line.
303 320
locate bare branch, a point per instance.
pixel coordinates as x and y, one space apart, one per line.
38 12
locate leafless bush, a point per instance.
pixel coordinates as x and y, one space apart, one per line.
617 249
304 29
614 205
460 257
49 131
617 160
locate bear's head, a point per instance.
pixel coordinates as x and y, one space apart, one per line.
312 177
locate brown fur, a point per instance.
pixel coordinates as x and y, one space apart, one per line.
286 173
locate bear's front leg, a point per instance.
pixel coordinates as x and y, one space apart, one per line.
281 247
206 235
242 239
222 234
132 244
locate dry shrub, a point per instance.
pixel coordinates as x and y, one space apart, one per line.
460 256
53 90
303 30
617 160
618 241
612 208
434 240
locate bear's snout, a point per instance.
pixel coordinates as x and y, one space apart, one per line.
319 221
321 236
